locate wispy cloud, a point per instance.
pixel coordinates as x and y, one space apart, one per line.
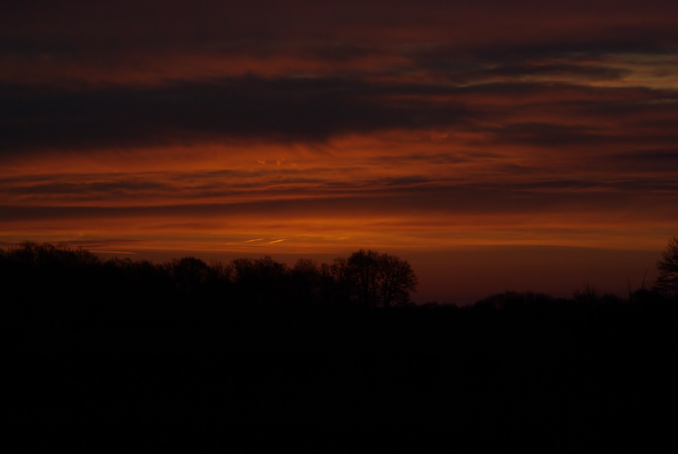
388 123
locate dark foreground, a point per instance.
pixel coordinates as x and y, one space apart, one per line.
560 377
134 357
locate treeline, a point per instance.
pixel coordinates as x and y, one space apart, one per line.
59 286
77 287
332 347
366 278
44 272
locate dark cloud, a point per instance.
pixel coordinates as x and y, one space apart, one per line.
150 188
429 158
409 198
315 109
591 73
653 160
87 190
547 135
662 156
610 184
254 108
123 34
462 42
527 61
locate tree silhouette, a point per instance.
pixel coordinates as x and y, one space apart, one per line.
397 280
305 282
363 268
43 272
260 282
667 281
189 273
378 279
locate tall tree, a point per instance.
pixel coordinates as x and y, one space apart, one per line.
379 280
364 274
397 280
667 266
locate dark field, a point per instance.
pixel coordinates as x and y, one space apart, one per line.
95 356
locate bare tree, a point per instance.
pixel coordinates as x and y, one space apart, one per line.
190 274
364 272
379 279
667 281
397 280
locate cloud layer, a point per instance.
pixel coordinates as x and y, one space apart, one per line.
319 127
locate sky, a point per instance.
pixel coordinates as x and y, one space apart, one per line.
495 145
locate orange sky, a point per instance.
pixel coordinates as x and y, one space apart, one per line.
536 141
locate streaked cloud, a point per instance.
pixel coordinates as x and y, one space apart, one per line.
307 127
